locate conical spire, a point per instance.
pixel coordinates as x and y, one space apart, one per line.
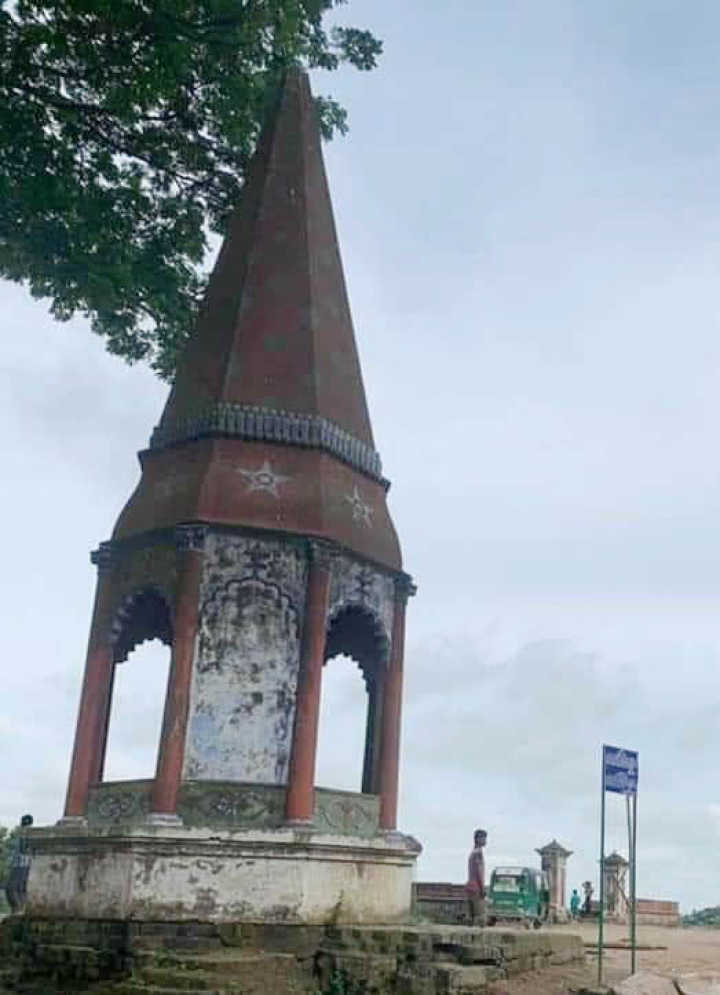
275 331
267 425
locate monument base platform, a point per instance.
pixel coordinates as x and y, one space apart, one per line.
125 958
161 872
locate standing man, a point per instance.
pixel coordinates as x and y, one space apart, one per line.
475 887
16 886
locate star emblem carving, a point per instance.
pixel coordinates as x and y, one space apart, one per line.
361 511
264 479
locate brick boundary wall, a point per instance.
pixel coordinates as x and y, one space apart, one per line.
654 912
442 901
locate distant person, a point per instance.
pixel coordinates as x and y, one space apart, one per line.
475 887
19 860
574 904
587 904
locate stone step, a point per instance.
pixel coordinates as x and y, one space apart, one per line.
469 953
66 951
294 938
142 988
245 973
377 971
188 981
69 961
388 939
227 986
461 948
201 944
445 979
455 979
216 962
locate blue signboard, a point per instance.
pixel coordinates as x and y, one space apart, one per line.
620 770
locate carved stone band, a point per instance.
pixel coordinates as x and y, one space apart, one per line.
245 421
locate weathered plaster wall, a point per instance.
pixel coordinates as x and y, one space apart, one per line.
279 876
247 658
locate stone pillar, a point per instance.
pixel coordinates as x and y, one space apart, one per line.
190 541
300 798
553 858
373 729
92 724
392 709
615 869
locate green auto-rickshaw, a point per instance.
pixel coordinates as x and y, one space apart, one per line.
518 894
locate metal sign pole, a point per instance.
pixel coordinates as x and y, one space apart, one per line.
633 893
602 870
629 825
629 902
619 774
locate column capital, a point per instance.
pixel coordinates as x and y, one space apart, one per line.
322 552
190 537
404 588
103 556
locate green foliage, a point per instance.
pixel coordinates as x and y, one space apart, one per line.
342 984
126 127
703 917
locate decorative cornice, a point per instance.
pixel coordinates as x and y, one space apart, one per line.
553 847
191 538
404 588
116 549
256 424
102 557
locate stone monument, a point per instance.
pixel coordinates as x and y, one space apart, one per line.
553 858
257 545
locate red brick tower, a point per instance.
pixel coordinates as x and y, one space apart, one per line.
257 545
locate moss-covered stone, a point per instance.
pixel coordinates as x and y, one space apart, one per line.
53 957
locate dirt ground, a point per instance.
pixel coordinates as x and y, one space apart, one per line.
692 949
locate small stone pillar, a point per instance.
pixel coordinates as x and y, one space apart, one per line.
391 708
553 857
190 544
92 724
616 902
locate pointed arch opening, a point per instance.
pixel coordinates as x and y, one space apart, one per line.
142 616
349 728
141 637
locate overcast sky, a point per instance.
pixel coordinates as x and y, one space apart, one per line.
528 205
